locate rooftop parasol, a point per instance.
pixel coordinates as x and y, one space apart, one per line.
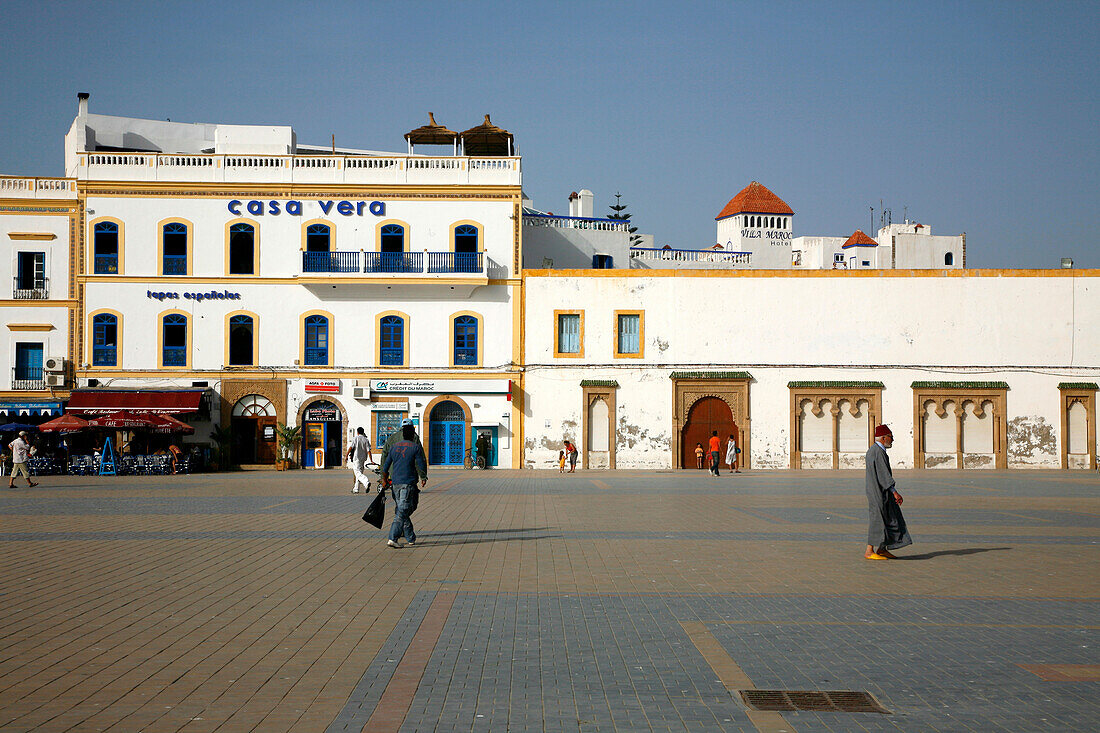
487 139
431 134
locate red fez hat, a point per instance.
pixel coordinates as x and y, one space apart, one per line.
882 430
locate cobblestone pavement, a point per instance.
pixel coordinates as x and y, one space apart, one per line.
598 601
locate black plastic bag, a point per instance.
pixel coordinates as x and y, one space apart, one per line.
376 512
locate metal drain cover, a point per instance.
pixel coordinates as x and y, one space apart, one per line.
830 701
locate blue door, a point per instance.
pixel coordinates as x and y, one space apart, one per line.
28 363
447 426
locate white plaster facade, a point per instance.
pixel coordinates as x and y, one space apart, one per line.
931 328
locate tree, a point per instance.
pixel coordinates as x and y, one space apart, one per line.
288 438
619 212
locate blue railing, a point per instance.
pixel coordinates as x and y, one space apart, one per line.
454 261
175 356
104 356
106 264
330 262
316 356
175 264
393 262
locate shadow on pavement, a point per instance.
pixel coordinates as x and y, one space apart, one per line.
966 551
487 531
431 542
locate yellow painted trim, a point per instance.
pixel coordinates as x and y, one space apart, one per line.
302 338
308 373
397 282
60 303
255 338
160 338
464 222
641 334
558 353
255 249
160 244
331 232
406 242
90 259
311 191
30 327
480 339
404 339
35 236
89 342
775 274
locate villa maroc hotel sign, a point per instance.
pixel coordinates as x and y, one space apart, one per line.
198 297
324 386
467 386
294 207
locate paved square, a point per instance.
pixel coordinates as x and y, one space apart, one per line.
534 601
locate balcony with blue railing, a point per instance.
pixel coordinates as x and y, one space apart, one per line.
455 262
105 356
175 264
397 262
330 262
27 377
175 356
316 356
106 265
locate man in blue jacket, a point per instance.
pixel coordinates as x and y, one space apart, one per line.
403 464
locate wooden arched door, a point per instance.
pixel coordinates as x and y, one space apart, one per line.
707 415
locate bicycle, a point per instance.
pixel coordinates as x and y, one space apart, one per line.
470 461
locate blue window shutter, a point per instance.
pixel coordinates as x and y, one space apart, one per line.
629 328
569 333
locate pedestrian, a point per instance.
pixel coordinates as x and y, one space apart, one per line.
402 465
731 453
359 455
886 530
393 438
715 452
175 455
571 454
699 452
483 447
561 461
20 451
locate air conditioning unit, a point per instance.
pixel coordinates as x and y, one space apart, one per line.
55 379
360 393
55 364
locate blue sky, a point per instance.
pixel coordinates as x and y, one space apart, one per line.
979 117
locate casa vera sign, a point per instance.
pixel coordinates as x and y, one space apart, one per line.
296 207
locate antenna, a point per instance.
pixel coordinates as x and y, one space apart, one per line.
872 218
905 212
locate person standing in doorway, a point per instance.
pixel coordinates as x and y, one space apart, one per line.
20 452
359 455
886 530
699 453
715 452
571 454
731 453
404 462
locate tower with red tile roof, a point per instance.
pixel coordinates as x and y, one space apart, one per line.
760 223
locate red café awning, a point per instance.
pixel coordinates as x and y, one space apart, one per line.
94 402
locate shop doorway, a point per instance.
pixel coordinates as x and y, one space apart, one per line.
707 415
321 432
491 433
447 434
253 428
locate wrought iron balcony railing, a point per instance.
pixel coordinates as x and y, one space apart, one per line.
28 289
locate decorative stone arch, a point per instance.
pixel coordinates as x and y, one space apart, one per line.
937 394
593 390
426 418
233 390
834 392
730 387
1083 394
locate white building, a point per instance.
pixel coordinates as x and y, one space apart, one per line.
637 367
328 289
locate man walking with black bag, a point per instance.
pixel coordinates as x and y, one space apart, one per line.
403 464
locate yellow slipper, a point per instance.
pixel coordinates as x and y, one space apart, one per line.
875 556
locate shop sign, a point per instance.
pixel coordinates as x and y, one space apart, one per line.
443 386
329 386
322 413
389 407
294 207
269 433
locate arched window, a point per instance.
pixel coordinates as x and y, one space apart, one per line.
466 249
318 238
465 334
391 348
240 341
174 340
393 238
242 249
316 341
105 248
174 248
949 258
105 340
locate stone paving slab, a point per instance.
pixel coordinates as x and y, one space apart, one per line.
596 601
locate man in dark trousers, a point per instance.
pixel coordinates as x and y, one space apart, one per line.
887 529
402 465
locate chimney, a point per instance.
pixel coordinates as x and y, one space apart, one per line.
82 104
587 204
